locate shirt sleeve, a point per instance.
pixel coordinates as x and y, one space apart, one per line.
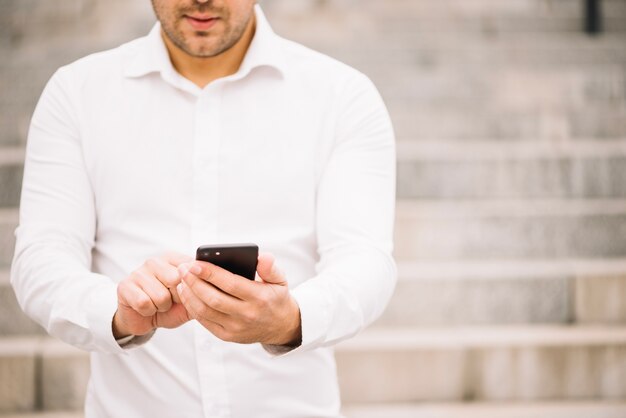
356 274
51 269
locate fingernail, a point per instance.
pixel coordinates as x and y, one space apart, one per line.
179 288
277 271
183 269
195 269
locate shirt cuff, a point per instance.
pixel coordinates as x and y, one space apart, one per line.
279 350
314 319
125 340
132 341
101 309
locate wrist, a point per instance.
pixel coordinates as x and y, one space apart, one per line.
292 336
119 330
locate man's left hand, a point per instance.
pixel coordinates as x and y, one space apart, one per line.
236 309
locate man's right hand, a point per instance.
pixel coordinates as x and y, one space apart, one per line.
147 299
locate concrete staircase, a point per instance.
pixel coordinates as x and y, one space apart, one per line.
511 218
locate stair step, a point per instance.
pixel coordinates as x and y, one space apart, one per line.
484 8
521 86
11 173
479 18
13 321
8 222
437 52
494 150
512 170
355 34
452 9
392 340
18 369
507 292
456 229
41 373
580 409
462 123
512 363
93 19
522 364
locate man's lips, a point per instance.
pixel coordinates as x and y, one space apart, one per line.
201 22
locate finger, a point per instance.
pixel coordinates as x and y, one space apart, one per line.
268 270
138 300
227 282
196 308
214 328
212 296
175 317
175 296
166 273
176 259
158 293
183 269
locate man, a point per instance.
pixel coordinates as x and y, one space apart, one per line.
212 129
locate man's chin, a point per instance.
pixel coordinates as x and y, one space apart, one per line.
202 53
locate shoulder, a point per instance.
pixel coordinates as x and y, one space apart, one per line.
322 71
341 90
85 82
101 66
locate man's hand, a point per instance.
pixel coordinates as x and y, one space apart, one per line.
239 310
147 299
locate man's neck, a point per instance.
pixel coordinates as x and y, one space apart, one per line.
202 71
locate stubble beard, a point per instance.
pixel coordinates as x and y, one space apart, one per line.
225 40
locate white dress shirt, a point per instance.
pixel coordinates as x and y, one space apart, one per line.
126 160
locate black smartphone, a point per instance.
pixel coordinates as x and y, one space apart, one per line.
240 259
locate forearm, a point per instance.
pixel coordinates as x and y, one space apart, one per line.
347 295
55 288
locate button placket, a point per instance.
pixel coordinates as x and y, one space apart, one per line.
204 230
206 167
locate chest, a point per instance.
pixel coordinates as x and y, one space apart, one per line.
155 148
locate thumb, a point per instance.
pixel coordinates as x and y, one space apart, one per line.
268 271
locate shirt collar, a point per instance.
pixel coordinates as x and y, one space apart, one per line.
265 48
264 51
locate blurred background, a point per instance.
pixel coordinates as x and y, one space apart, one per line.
511 216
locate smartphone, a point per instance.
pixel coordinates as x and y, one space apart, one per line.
240 259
